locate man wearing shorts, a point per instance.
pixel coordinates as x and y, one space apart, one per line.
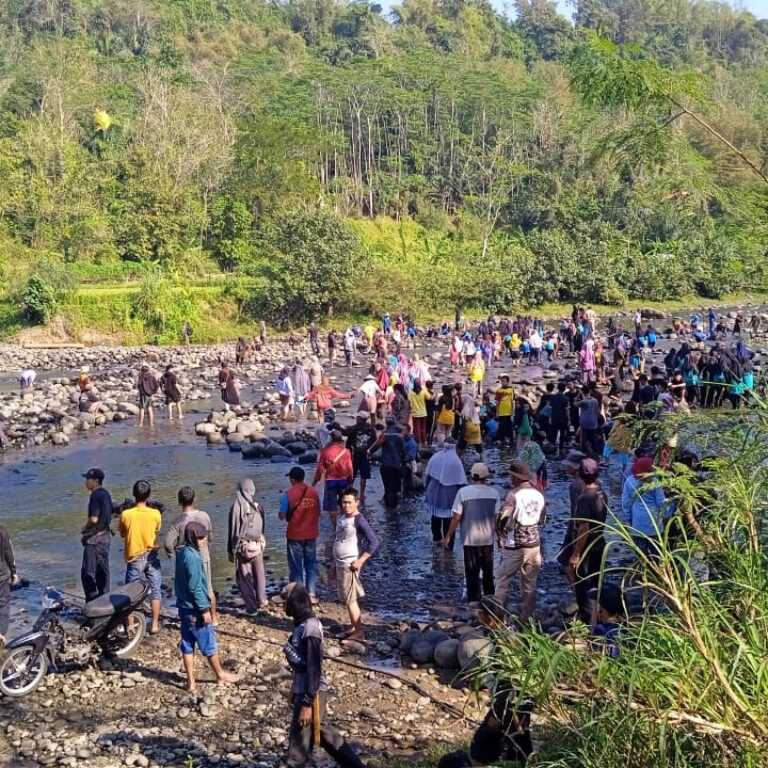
174 538
139 527
354 544
334 466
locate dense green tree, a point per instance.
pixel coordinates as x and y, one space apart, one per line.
313 258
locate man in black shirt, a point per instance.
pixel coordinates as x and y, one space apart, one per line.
360 437
559 419
96 537
588 542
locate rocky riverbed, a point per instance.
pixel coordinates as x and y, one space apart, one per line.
135 712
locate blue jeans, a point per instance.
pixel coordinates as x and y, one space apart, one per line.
146 568
302 563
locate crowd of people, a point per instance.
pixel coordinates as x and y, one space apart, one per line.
429 437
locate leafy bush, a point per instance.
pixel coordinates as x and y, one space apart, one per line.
163 307
39 300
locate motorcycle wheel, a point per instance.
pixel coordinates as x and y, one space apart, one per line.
21 671
124 639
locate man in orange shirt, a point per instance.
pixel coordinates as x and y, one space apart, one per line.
334 466
300 506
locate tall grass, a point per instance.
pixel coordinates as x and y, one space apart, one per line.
690 686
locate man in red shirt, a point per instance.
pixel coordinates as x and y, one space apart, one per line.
300 506
334 466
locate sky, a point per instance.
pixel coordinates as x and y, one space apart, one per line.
758 7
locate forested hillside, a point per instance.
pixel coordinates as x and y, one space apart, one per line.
325 155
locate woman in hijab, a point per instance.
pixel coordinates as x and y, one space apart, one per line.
443 478
301 386
245 546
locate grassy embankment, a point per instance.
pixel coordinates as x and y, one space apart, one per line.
107 312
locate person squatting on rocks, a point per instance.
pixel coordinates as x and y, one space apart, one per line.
193 590
245 546
96 537
309 689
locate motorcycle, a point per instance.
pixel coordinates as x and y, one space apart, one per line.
111 625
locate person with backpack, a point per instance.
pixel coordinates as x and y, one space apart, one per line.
245 546
518 529
147 386
300 508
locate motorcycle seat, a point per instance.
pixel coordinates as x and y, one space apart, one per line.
117 600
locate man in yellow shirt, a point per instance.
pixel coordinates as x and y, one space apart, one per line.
139 526
505 403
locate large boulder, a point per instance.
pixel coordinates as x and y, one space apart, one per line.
252 451
447 654
296 448
408 638
310 457
422 651
205 428
472 649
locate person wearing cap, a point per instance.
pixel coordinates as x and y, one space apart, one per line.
518 527
370 394
193 601
644 506
300 507
96 537
588 540
475 508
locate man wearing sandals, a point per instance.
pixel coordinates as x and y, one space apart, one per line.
355 543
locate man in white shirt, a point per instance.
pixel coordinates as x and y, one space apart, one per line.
519 532
475 508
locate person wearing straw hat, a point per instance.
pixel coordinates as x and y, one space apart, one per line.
519 532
